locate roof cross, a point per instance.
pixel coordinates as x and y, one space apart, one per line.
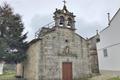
64 2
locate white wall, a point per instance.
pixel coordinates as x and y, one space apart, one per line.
110 39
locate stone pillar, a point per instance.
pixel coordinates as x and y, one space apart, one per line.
19 70
65 23
1 68
73 25
57 21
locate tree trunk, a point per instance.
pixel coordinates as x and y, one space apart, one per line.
19 70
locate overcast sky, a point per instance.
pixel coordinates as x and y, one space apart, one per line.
90 14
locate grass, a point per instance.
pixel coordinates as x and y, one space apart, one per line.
7 75
115 78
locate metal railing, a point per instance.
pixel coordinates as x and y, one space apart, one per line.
49 25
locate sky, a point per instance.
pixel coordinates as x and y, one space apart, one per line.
91 15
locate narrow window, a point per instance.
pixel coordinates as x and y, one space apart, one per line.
105 53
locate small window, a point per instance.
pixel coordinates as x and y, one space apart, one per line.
66 40
105 53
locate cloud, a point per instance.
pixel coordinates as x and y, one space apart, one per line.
86 29
36 23
89 13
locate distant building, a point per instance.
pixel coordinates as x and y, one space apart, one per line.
58 53
109 46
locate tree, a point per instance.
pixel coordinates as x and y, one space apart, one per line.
12 42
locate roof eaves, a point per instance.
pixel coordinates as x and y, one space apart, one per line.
114 16
110 21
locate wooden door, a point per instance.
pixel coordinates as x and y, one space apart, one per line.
67 71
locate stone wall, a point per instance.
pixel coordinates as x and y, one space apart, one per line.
93 55
31 64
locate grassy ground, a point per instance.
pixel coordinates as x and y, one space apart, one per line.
8 75
115 78
105 77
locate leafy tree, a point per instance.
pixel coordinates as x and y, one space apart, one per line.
12 44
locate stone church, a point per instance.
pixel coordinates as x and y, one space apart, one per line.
58 53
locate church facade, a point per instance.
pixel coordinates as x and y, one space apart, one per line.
58 53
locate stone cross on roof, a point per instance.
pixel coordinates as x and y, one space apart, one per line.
64 2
